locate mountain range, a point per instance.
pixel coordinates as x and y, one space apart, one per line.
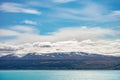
59 61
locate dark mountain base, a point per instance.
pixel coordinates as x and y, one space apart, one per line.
90 64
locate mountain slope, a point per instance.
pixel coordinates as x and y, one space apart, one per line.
60 60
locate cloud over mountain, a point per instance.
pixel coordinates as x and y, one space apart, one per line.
107 47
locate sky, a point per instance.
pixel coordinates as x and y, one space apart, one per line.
55 21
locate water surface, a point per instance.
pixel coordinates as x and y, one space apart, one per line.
60 75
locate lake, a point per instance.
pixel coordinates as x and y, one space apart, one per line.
60 75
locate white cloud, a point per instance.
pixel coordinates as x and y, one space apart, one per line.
25 29
81 33
115 13
30 22
17 8
7 32
18 30
7 49
26 37
106 47
29 34
63 1
89 11
82 39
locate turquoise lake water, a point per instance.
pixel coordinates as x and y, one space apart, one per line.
60 75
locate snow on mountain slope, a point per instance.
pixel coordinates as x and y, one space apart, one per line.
56 55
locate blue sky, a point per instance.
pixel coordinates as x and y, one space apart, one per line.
50 20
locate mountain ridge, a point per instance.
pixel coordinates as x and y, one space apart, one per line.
60 61
57 54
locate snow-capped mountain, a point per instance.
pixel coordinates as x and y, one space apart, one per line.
59 60
61 55
55 55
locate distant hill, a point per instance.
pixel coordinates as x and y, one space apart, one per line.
60 61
